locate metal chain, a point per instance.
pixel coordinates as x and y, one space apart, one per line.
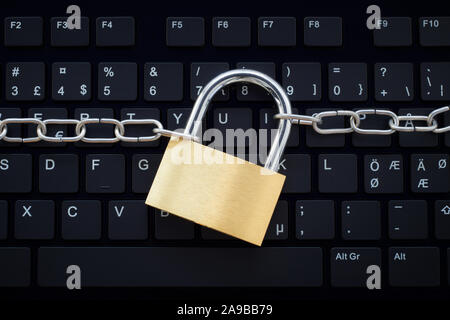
355 117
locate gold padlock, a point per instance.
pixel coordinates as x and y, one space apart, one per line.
213 188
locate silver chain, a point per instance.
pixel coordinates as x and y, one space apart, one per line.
428 124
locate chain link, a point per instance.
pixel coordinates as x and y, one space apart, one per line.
413 123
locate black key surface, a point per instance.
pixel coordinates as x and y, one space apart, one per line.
54 130
372 121
278 228
23 31
442 219
177 118
202 73
228 119
414 267
347 81
277 31
393 32
338 173
105 173
394 82
163 81
14 130
314 139
361 220
15 269
323 31
115 31
416 139
297 168
435 81
117 81
315 219
141 130
177 267
383 173
71 81
268 122
171 227
3 219
143 171
34 219
58 173
81 219
302 81
408 219
25 81
62 36
95 130
231 31
434 31
430 173
185 32
15 173
248 92
128 220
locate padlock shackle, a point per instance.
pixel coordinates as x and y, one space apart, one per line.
251 76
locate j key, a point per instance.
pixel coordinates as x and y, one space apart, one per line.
105 173
226 119
25 81
394 82
144 130
231 32
278 228
277 31
34 219
171 227
248 92
297 168
71 81
302 81
3 219
416 139
62 36
361 220
185 32
15 173
349 265
15 269
314 139
347 81
128 220
163 81
81 220
435 81
95 130
14 130
393 32
338 173
23 31
383 173
323 31
315 219
408 219
115 31
143 171
117 81
202 73
442 219
267 121
372 121
55 130
434 31
430 173
414 267
58 173
137 266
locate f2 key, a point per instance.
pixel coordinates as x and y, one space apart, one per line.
23 31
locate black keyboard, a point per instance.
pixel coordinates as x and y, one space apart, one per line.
350 200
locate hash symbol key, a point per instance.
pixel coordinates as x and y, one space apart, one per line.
25 81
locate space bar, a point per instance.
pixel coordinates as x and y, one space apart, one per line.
182 267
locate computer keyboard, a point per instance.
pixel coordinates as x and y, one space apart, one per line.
350 200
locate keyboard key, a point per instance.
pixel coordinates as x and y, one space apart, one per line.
105 173
62 36
323 31
315 219
394 82
143 171
136 267
237 119
302 81
34 219
408 219
314 139
231 32
23 31
15 269
349 265
435 81
128 220
142 130
277 31
54 130
25 81
278 228
347 81
14 130
71 81
268 122
115 31
95 130
15 173
338 173
434 31
202 73
416 139
297 168
361 220
163 81
248 92
393 32
171 227
3 219
442 219
372 121
117 81
383 173
81 220
430 173
185 32
177 118
58 173
414 267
